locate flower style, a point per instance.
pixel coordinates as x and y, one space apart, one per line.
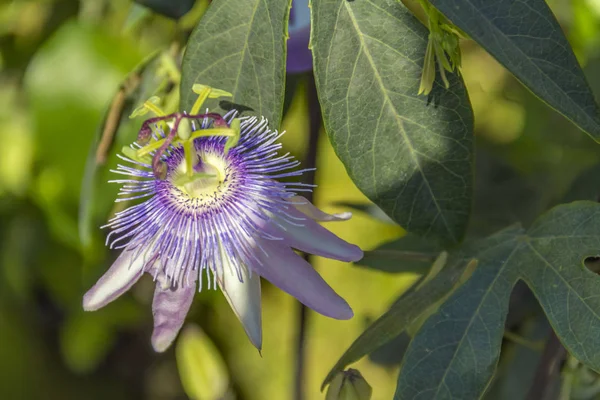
211 205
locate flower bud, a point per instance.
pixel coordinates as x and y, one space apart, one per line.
201 367
349 385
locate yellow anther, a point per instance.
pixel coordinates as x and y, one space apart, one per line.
198 88
149 105
199 133
206 92
154 108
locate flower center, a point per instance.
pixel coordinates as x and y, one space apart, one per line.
207 180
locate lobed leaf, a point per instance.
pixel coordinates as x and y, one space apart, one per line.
455 353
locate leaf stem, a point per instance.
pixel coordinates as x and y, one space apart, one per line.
310 161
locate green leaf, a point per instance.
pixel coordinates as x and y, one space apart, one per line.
400 315
455 353
526 38
240 47
408 254
411 155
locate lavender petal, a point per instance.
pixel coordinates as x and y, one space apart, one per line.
307 235
125 271
308 209
169 308
292 274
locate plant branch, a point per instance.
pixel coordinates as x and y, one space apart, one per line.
310 161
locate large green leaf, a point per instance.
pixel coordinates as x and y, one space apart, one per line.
240 47
455 353
410 154
526 38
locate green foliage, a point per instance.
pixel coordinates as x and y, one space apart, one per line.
240 47
456 351
487 315
411 155
526 38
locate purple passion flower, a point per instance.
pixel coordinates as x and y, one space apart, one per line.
227 219
299 56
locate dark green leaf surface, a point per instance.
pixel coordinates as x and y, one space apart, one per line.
408 254
526 38
455 353
240 47
410 154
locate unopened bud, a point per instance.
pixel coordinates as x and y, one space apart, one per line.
349 385
201 367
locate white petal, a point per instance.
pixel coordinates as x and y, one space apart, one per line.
125 271
244 298
308 209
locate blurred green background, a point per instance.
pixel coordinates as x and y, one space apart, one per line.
61 64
